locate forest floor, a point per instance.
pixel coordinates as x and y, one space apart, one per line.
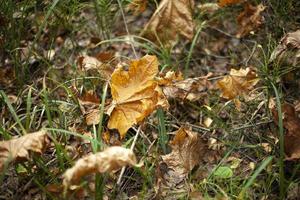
148 99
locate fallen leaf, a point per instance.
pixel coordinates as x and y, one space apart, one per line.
89 106
223 3
112 158
188 149
191 89
291 123
250 19
170 19
19 149
135 94
91 64
290 41
238 82
223 172
138 6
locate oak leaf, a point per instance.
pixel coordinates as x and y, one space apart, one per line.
170 19
135 94
250 19
112 158
19 149
238 82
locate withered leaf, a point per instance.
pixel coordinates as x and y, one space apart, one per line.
238 82
21 148
112 158
171 18
89 106
191 89
291 123
250 19
223 3
91 64
290 41
138 6
135 94
188 150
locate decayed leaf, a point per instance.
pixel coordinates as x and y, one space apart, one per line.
239 82
138 6
89 106
223 3
191 89
112 158
250 19
208 7
188 149
135 94
20 148
171 18
290 41
89 63
291 123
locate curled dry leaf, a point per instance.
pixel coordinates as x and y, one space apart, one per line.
112 158
191 89
188 150
171 18
135 94
238 82
250 19
223 3
20 148
291 123
90 64
290 41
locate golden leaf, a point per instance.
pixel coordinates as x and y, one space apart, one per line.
250 19
239 82
135 94
20 148
171 18
112 158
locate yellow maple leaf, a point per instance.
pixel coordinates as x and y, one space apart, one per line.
135 94
238 82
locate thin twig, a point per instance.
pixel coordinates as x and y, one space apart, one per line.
131 148
127 30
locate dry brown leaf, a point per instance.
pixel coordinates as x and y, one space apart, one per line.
238 82
135 94
91 64
191 89
170 19
188 150
21 148
223 3
250 19
290 41
112 158
89 106
291 123
138 6
209 8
